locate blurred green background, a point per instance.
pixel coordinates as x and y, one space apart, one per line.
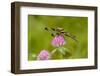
39 38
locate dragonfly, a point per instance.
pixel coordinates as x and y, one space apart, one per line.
60 31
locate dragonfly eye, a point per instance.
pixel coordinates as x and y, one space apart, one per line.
62 32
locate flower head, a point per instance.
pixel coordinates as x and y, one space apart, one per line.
43 55
58 41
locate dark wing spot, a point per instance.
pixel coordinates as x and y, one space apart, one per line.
46 28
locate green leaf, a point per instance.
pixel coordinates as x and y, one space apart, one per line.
61 50
57 55
65 52
65 49
60 53
53 51
68 53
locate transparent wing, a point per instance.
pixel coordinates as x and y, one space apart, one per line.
71 36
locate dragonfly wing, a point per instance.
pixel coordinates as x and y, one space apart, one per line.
71 36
